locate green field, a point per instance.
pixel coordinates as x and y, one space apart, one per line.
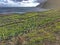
37 28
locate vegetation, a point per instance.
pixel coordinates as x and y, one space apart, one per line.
34 28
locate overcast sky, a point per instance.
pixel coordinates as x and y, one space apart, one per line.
16 2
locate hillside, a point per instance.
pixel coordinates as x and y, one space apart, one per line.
32 28
52 4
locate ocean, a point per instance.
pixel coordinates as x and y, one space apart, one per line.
7 10
14 6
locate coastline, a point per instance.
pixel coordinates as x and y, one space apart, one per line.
21 10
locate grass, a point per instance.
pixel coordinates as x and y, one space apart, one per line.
36 27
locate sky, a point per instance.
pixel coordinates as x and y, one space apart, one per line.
17 3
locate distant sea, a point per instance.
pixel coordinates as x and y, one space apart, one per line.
7 10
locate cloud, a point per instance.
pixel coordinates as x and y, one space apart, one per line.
17 3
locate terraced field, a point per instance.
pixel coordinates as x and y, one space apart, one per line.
34 28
